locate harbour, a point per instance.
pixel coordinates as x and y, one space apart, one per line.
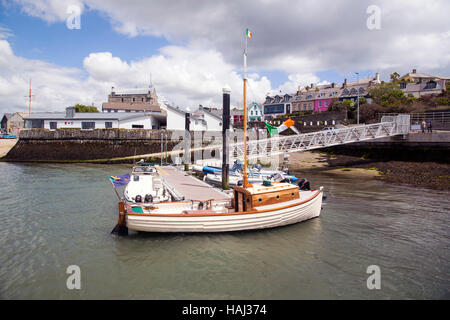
319 174
67 221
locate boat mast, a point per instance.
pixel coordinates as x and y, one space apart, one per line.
245 184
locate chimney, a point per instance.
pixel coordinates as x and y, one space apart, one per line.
333 84
70 112
112 90
312 85
345 83
377 77
414 71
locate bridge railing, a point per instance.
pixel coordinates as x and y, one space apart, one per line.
397 125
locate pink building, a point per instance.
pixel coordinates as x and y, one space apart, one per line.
321 105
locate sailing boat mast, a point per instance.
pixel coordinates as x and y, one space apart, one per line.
245 184
29 102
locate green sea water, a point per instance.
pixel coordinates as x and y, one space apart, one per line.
54 216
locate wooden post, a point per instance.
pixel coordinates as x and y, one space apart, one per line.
121 228
225 130
187 141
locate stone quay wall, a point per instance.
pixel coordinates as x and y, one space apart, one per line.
75 145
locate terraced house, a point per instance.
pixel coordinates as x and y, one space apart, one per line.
318 98
276 105
315 98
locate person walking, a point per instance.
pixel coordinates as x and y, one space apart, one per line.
424 125
430 127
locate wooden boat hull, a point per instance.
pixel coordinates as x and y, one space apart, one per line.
289 213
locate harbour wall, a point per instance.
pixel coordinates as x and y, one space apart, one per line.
100 145
113 145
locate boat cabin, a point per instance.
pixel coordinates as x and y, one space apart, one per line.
248 199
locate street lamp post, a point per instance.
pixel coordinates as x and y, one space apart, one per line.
357 117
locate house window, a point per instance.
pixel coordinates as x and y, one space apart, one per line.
53 125
277 108
34 124
134 99
108 124
122 99
88 125
141 126
320 103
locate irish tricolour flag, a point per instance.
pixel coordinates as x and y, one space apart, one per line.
275 130
249 34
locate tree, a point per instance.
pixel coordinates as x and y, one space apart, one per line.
351 106
394 77
362 101
388 95
84 108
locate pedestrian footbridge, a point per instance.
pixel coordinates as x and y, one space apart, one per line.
388 127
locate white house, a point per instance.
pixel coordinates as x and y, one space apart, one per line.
201 120
94 120
254 112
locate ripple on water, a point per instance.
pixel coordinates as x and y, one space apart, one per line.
56 215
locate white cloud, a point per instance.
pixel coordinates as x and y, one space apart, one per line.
49 10
184 76
5 33
297 37
54 87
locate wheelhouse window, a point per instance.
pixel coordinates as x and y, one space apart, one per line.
108 124
138 126
53 125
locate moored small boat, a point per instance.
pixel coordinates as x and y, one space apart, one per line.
253 205
256 207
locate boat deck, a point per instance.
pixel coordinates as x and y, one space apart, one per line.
190 187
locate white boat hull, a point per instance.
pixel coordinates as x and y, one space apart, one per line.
308 207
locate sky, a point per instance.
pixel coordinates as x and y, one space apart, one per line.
190 49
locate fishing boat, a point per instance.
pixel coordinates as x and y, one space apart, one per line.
252 206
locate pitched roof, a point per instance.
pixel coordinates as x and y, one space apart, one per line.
137 106
424 86
88 115
7 115
417 75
